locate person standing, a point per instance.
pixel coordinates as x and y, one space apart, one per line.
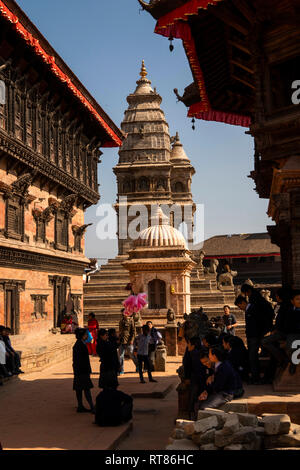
229 321
255 330
110 364
82 371
142 348
155 338
126 337
271 343
93 327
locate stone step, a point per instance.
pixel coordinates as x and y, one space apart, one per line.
108 276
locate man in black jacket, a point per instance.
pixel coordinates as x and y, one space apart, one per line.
255 330
271 343
82 371
110 365
237 355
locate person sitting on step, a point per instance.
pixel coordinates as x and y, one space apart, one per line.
13 361
237 355
224 385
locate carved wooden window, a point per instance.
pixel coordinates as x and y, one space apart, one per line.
52 143
2 104
18 117
39 133
14 225
77 242
157 294
29 120
41 230
61 231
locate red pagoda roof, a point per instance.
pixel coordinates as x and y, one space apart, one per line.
174 24
26 29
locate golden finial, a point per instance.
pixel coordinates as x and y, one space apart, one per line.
143 72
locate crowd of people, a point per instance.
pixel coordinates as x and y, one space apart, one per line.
216 365
10 363
112 407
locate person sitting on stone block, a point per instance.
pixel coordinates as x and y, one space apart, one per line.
224 385
13 362
211 339
237 355
195 372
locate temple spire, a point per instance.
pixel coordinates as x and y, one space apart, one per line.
143 72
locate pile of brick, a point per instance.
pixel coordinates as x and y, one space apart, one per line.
218 430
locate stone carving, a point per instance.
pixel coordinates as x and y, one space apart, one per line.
267 296
196 325
171 317
214 263
80 230
160 357
226 278
21 185
68 203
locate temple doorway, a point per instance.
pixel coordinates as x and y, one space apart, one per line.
157 294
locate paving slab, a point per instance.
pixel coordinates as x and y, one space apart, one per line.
38 410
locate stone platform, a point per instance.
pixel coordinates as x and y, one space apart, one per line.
39 352
49 420
38 411
259 399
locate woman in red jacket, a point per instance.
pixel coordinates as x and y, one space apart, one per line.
93 327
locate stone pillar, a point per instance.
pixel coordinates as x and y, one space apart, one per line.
160 358
171 339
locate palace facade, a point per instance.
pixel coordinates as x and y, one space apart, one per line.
51 131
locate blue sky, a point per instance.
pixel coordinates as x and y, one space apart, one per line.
103 42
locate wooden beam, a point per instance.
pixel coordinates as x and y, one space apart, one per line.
242 80
242 66
245 9
239 45
231 19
